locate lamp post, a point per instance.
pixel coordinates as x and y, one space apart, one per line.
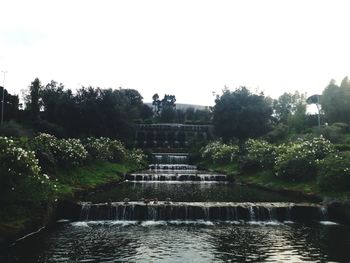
3 98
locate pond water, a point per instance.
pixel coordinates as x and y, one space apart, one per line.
150 241
192 218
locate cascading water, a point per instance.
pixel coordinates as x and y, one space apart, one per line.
171 203
214 211
173 167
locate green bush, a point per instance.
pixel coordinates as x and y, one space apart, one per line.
52 151
334 172
105 149
298 161
335 132
14 129
342 147
137 156
16 166
259 155
218 152
71 152
45 148
277 134
98 148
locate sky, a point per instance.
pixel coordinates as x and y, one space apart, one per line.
191 49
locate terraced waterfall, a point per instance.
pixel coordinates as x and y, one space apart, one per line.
172 212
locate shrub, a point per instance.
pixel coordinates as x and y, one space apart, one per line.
18 165
342 147
71 152
334 172
45 147
278 133
298 161
259 155
218 152
118 150
295 163
137 156
335 132
97 148
52 151
105 149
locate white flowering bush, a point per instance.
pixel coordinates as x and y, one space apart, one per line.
52 151
137 156
219 152
334 172
18 165
97 148
105 149
71 152
46 149
118 150
259 155
298 161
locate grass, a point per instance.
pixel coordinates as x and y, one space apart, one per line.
267 179
90 176
25 212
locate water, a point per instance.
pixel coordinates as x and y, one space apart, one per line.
185 191
149 241
168 219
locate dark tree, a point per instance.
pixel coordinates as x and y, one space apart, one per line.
241 114
51 96
335 102
33 102
11 105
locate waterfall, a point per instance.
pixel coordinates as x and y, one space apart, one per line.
213 211
251 213
177 176
323 213
85 209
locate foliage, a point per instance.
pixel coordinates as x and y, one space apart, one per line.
18 165
71 152
288 104
298 161
14 129
259 155
137 156
33 100
53 151
277 134
334 172
335 132
241 114
335 102
219 152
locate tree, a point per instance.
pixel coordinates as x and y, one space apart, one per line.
11 104
51 96
335 101
241 114
33 102
290 109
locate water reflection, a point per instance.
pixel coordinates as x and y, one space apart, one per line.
167 242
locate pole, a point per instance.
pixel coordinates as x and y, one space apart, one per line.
3 98
319 117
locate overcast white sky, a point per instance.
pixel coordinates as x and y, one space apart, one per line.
187 48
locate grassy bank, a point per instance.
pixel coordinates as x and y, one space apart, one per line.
25 213
268 180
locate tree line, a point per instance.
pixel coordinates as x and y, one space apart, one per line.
242 114
237 115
